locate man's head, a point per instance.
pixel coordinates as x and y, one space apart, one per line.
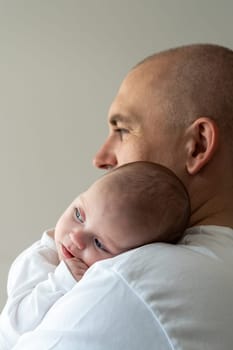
135 204
176 108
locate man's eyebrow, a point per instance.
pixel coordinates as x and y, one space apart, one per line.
117 118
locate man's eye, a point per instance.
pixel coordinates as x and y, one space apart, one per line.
121 132
99 245
78 215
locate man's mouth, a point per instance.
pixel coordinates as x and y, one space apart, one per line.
66 253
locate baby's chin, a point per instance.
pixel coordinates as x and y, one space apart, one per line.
59 253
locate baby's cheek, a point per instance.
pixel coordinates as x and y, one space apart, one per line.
97 255
58 235
91 255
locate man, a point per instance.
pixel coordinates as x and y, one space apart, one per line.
174 108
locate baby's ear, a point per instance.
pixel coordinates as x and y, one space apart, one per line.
202 142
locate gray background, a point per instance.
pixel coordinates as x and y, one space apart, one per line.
61 63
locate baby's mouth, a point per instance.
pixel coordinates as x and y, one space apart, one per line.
66 253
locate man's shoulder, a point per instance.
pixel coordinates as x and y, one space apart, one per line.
182 285
163 272
200 245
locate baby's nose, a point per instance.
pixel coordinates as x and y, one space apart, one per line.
78 240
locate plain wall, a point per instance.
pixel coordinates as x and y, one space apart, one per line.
61 63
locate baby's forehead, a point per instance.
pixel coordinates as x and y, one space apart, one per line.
106 182
108 190
77 199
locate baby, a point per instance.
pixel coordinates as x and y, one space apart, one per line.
133 205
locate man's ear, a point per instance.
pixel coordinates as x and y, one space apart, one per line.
202 142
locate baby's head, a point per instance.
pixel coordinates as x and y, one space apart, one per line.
132 205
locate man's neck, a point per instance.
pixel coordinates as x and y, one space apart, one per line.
216 211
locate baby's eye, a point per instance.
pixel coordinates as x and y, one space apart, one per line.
79 216
99 245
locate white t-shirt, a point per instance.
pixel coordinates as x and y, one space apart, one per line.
36 281
157 297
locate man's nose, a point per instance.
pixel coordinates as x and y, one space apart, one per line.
105 158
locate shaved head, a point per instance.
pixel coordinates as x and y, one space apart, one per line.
195 81
180 104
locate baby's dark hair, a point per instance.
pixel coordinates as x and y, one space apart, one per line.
154 198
